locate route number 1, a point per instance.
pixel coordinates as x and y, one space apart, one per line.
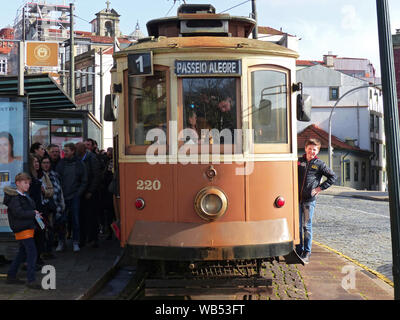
140 64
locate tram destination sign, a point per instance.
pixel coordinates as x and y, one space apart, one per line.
208 67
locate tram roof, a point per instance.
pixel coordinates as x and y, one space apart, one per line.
42 91
205 43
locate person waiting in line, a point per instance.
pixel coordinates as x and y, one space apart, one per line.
49 206
91 145
73 177
37 149
90 199
21 216
107 196
36 193
311 169
57 203
54 152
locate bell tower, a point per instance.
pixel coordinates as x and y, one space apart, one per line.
107 22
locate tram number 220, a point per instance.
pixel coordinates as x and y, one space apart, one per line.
148 185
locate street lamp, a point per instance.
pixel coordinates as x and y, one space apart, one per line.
330 118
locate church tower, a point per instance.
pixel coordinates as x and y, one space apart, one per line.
106 22
137 34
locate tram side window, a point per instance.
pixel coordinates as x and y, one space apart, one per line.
147 107
210 103
269 107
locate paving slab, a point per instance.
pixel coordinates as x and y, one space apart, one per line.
330 276
327 277
75 273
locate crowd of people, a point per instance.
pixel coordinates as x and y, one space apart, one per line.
69 194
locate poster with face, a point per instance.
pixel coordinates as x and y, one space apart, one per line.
11 150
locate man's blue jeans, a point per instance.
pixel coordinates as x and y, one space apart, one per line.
306 212
73 206
27 252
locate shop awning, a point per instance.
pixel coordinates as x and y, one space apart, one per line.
41 90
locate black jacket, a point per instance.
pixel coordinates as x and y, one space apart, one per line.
35 192
310 175
94 173
73 177
21 210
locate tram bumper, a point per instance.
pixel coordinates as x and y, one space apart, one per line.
210 241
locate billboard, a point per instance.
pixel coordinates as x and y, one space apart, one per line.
12 149
41 54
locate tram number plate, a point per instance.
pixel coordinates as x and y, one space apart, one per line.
148 185
140 64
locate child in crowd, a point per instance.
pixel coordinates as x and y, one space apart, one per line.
21 216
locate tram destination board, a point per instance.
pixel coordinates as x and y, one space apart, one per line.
140 64
208 67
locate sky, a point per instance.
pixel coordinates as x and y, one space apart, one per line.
347 28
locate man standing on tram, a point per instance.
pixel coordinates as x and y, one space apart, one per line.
310 171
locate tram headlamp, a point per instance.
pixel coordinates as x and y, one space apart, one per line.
210 203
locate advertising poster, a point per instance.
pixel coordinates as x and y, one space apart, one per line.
11 150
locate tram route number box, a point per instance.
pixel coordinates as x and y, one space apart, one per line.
208 67
140 64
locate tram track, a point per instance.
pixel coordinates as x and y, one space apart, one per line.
273 280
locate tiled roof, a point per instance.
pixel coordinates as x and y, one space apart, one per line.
269 30
93 37
308 62
6 33
313 131
4 47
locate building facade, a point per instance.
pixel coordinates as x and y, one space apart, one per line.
351 164
93 62
357 118
279 37
396 53
5 49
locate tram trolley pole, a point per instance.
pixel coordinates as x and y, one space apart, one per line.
254 16
391 131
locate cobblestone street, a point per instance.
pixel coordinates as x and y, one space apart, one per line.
358 228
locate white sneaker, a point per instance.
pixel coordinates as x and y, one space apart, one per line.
60 246
76 247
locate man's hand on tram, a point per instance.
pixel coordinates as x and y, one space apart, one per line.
316 191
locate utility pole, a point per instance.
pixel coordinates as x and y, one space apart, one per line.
392 133
21 59
72 53
101 95
254 13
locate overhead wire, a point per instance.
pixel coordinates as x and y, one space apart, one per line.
235 6
81 18
173 5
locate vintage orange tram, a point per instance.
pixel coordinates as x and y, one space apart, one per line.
205 132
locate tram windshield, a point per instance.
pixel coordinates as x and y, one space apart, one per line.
147 107
210 103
